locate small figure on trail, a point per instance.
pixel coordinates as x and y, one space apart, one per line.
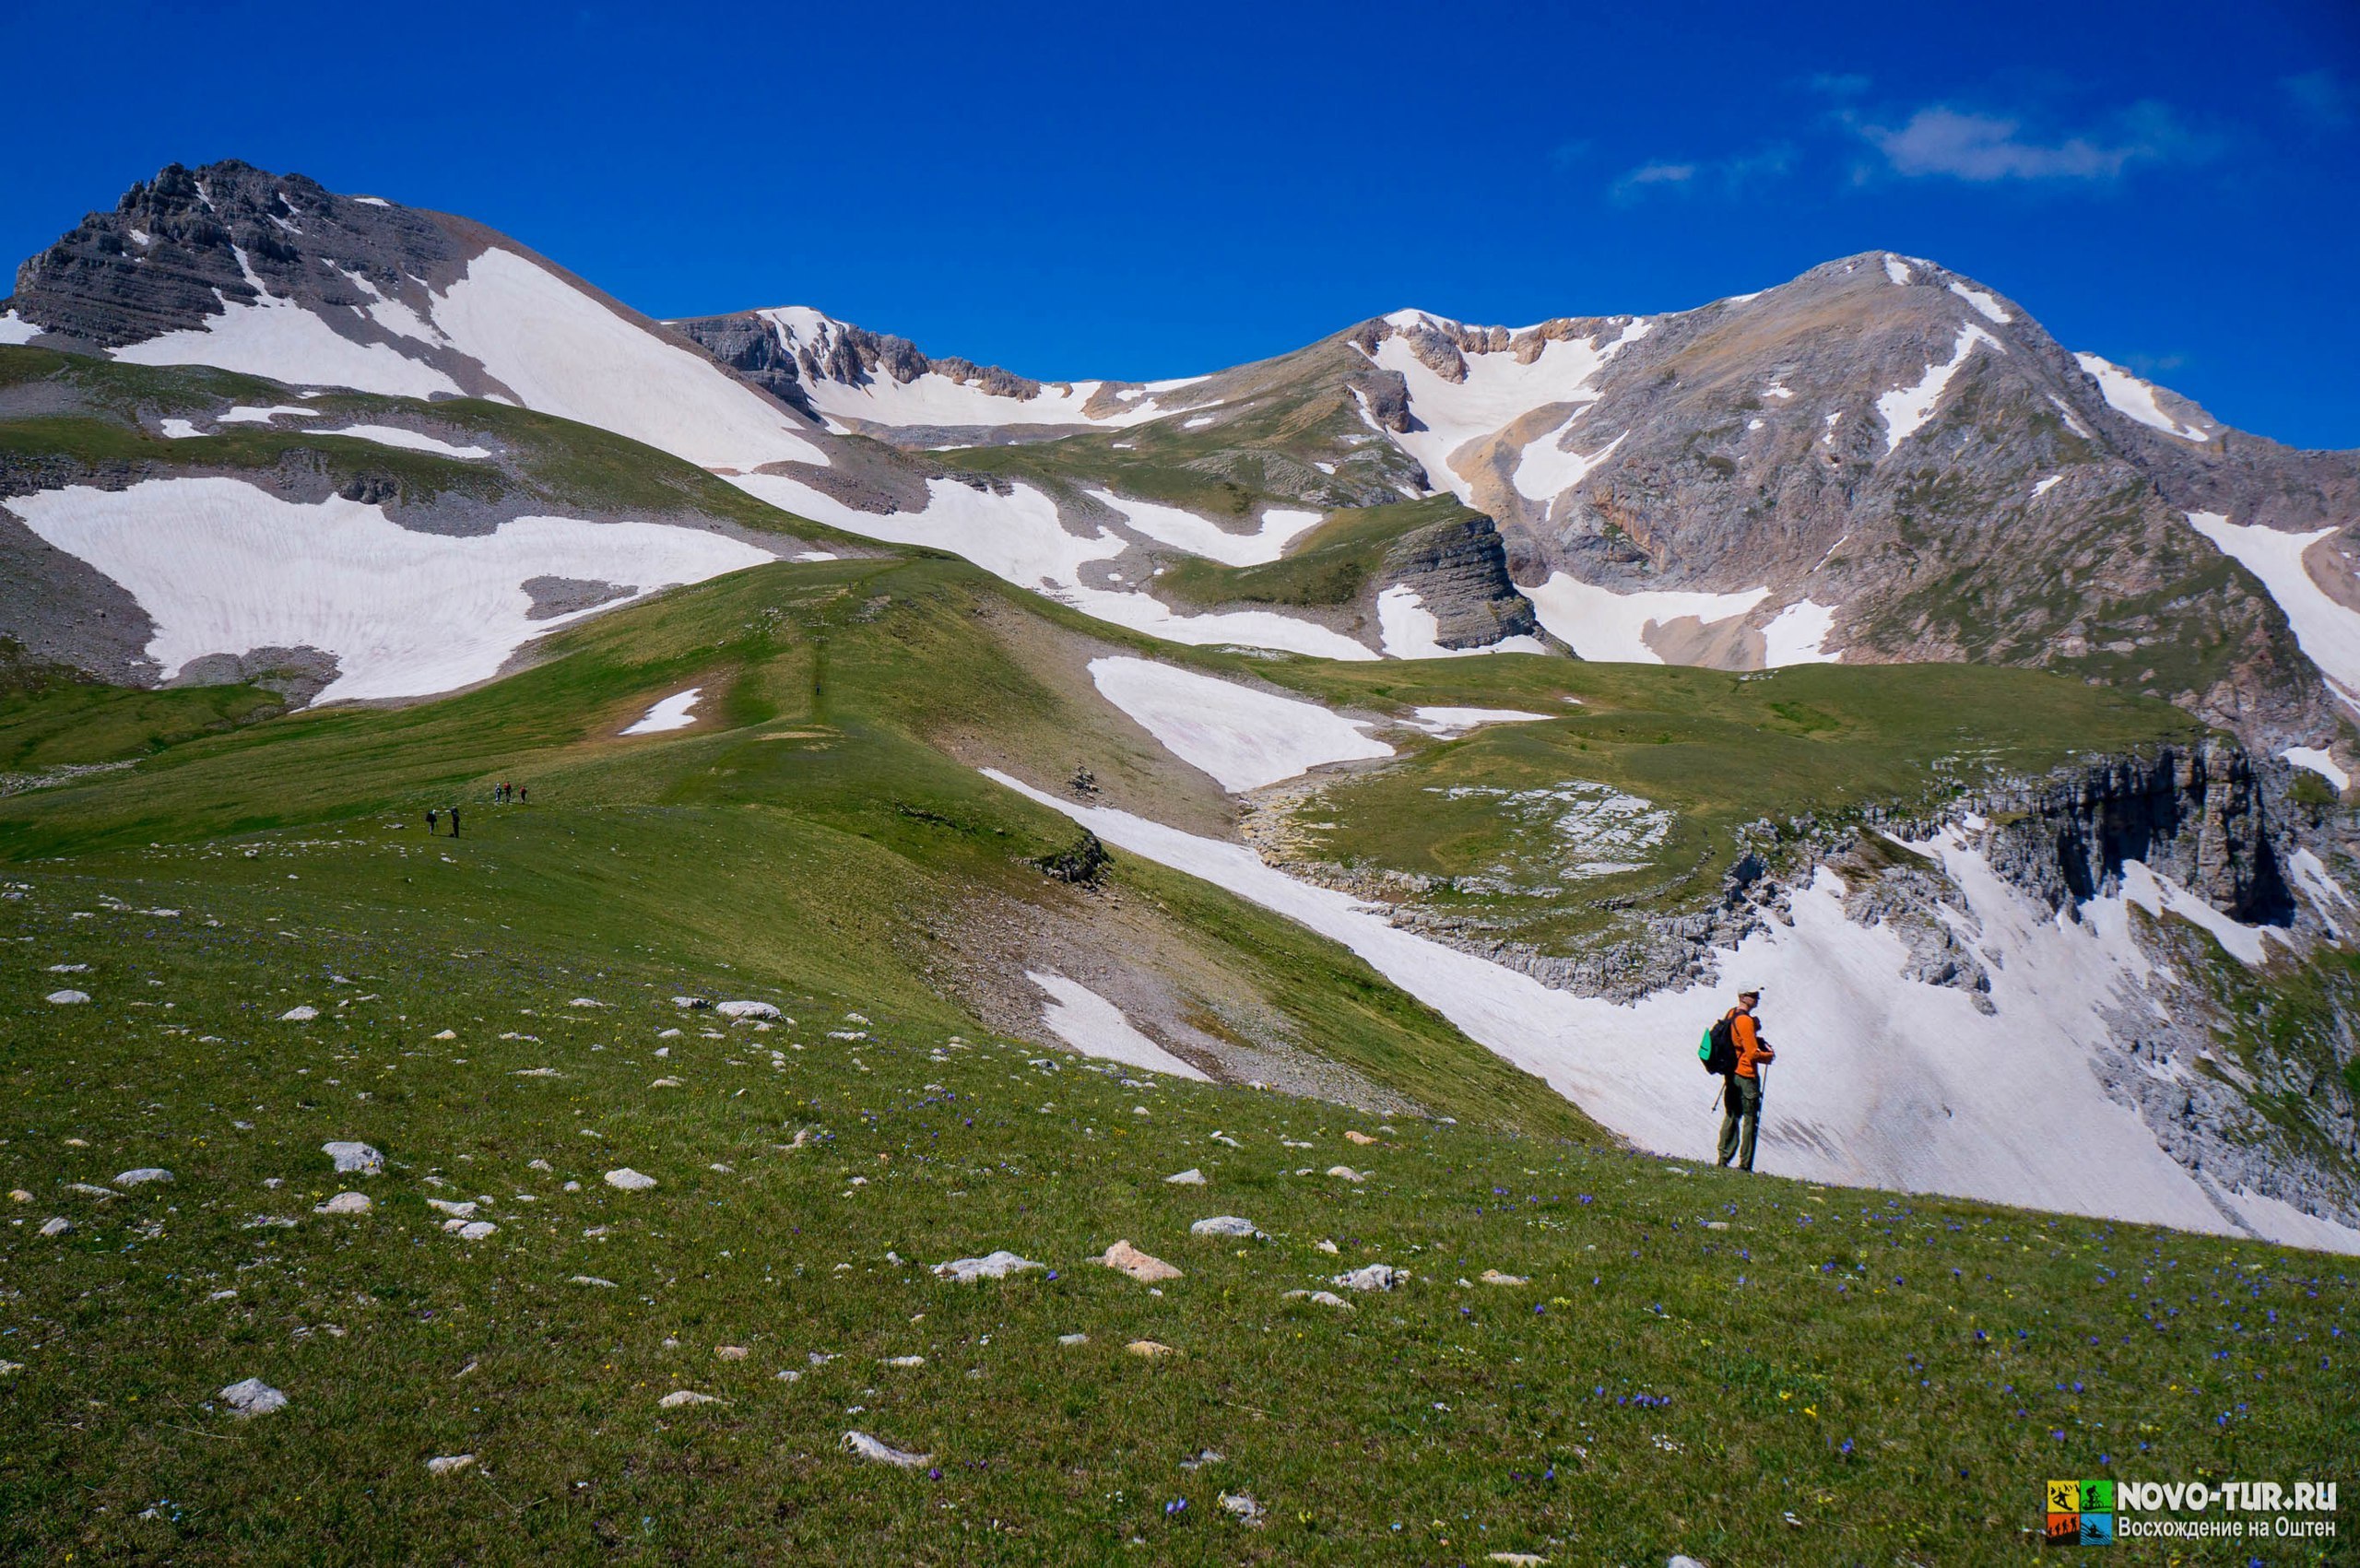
455 821
433 819
1736 1049
524 795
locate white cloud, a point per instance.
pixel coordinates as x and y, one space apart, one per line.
1727 175
1938 140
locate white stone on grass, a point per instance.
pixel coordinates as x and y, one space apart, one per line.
680 1397
1318 1297
252 1397
1191 1178
1346 1173
67 998
747 1009
305 1014
993 1265
142 1177
592 1280
448 1464
861 1445
627 1180
56 1227
1375 1277
346 1203
1494 1277
1226 1225
354 1159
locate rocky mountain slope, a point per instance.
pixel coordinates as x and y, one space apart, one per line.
1879 460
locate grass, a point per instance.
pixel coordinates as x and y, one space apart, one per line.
1717 751
1835 1375
1697 1359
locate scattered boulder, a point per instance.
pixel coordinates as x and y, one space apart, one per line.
747 1009
691 1002
1360 1138
471 1230
1191 1178
1318 1297
463 1210
1534 1560
1149 1350
861 1445
346 1203
730 1352
1226 1225
19 1195
1494 1277
586 1002
627 1180
994 1265
680 1397
903 1362
252 1397
449 1464
1073 1338
1241 1507
56 1227
142 1177
1375 1277
301 1014
69 998
354 1159
592 1280
1347 1174
1127 1259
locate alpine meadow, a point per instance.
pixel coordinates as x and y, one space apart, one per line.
727 939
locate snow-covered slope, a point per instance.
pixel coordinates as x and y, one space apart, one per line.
1896 1083
221 566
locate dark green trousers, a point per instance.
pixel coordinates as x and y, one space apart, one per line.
1740 1117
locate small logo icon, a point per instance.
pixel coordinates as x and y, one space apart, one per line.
2078 1513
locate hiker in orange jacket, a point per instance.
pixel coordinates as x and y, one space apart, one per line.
1741 1102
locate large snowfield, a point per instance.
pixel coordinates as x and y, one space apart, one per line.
1881 1080
225 567
1601 624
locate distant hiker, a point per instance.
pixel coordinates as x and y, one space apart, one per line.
1737 1049
524 795
433 819
455 821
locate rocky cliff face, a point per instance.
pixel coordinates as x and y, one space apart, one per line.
177 246
1460 574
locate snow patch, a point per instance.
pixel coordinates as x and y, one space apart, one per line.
393 435
2329 632
1986 304
2319 762
1096 1027
1410 630
1910 406
562 351
278 338
1898 270
1798 636
15 328
1019 538
1449 724
672 713
223 566
1243 738
2126 395
1601 624
1197 536
2046 485
2159 895
1547 470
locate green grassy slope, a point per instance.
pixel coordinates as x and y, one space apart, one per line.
1747 1370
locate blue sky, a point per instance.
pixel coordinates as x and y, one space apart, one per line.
1151 191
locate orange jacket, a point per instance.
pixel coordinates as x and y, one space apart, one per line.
1751 1047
